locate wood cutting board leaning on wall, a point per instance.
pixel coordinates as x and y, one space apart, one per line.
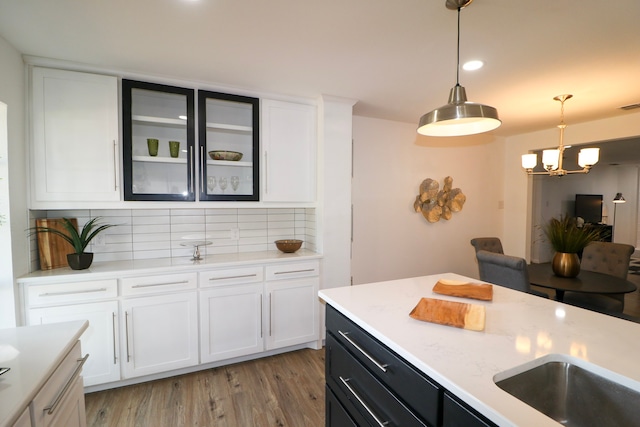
53 249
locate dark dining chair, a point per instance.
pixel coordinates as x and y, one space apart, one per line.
505 270
606 258
490 244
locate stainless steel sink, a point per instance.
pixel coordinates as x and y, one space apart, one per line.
574 392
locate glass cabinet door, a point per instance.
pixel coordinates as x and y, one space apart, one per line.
158 142
228 140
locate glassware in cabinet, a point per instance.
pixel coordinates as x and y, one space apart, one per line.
228 146
156 117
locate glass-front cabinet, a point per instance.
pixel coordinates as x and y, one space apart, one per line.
158 142
228 143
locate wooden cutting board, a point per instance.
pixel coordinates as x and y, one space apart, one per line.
450 313
456 288
53 249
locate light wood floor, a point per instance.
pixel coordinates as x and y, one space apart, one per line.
283 390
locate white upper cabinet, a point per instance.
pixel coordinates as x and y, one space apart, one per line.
288 151
74 144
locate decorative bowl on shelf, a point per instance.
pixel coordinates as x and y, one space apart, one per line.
232 156
288 245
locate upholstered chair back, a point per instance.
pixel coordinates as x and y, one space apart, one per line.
607 258
490 244
504 270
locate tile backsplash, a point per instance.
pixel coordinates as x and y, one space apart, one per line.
168 233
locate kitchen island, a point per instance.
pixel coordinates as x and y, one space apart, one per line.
42 360
519 329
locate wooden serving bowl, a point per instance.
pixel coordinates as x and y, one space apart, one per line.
288 245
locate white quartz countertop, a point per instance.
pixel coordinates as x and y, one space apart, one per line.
519 328
110 269
32 353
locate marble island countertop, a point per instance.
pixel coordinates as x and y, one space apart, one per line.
110 269
519 329
32 353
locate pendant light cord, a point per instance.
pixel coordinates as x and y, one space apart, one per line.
458 50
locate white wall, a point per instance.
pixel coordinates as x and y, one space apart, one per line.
391 240
518 186
13 247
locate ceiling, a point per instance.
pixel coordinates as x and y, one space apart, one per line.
396 58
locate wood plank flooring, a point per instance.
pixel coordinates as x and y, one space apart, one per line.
282 390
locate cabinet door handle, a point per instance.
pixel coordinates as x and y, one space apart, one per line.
203 161
261 316
364 405
241 276
381 366
86 291
113 325
270 312
266 174
191 161
306 270
150 285
52 408
115 165
126 332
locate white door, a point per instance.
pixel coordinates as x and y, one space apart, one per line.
74 151
231 322
292 312
160 333
100 340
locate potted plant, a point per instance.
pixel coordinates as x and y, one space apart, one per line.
568 237
79 260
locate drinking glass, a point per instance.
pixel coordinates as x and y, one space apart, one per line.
211 184
235 181
222 181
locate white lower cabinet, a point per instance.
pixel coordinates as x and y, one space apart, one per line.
100 340
230 322
95 301
239 316
160 332
151 324
292 312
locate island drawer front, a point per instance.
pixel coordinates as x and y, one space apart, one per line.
231 276
71 292
147 285
293 270
413 387
335 413
356 385
456 414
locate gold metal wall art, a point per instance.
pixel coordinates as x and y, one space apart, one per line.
435 204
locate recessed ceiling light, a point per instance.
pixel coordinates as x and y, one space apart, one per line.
472 65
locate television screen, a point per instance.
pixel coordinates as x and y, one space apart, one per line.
589 207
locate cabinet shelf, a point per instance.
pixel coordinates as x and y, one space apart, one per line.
150 159
163 121
228 163
230 128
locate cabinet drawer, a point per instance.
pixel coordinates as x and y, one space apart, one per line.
231 276
335 414
293 270
457 414
370 397
146 285
55 396
64 293
412 386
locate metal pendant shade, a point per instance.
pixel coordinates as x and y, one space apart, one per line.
459 117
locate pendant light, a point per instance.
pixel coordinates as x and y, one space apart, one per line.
459 117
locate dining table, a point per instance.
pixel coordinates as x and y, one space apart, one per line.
586 281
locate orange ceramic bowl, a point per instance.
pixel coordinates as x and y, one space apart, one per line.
288 245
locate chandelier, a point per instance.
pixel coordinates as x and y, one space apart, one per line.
459 116
552 159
